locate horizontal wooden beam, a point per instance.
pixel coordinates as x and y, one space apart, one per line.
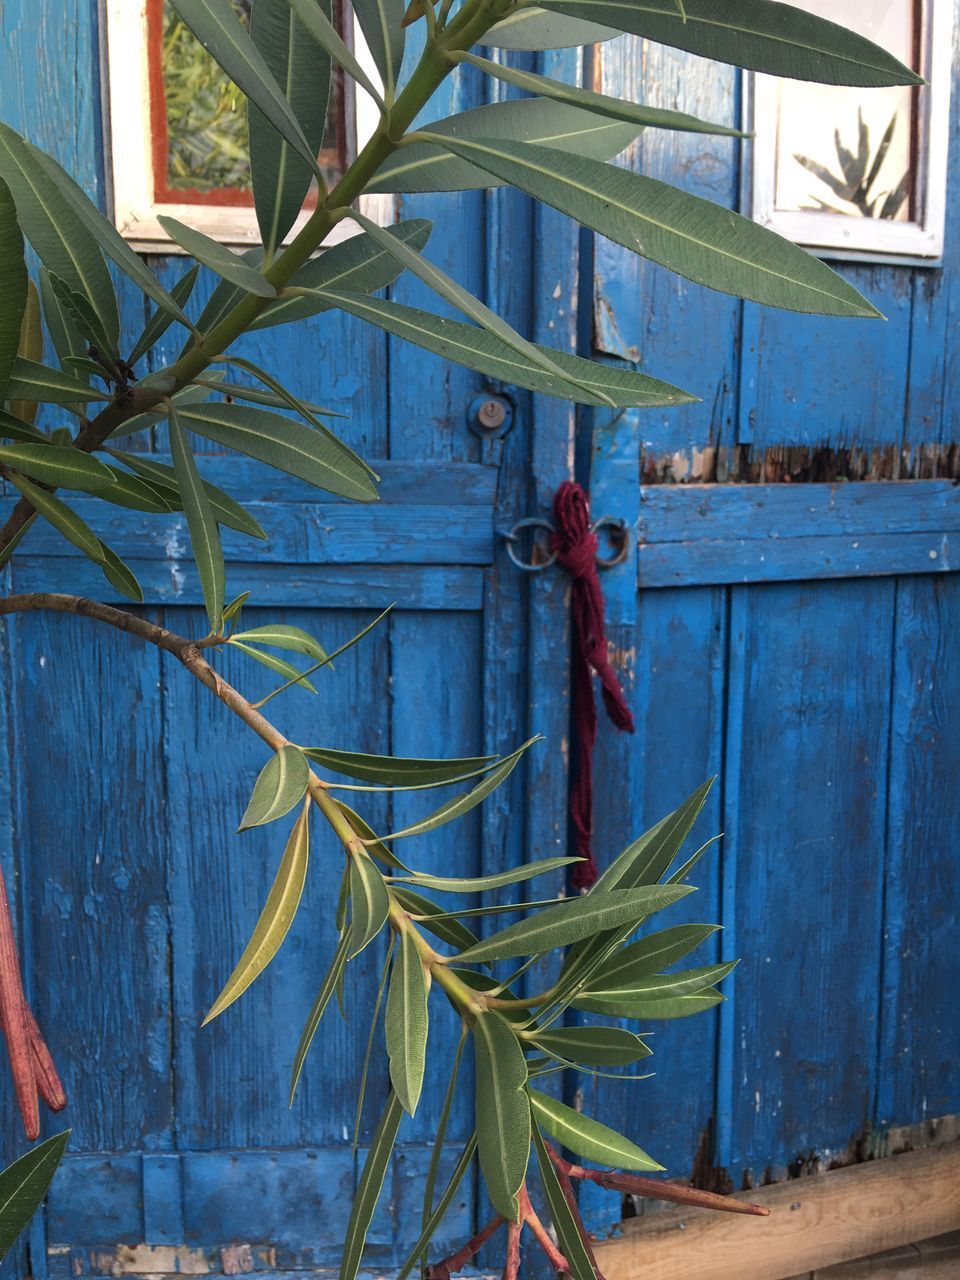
713 534
814 1222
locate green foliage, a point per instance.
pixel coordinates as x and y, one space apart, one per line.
555 146
23 1185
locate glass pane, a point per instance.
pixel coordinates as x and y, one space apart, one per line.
851 151
200 137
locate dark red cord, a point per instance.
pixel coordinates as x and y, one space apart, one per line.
576 548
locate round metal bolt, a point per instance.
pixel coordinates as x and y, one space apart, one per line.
491 414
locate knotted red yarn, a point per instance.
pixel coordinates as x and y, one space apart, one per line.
576 546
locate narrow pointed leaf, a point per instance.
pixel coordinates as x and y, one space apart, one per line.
533 29
574 920
13 275
381 22
281 636
137 494
226 295
201 522
32 381
441 924
281 443
462 804
232 610
256 395
30 348
51 224
14 428
443 1204
325 662
58 465
279 665
120 576
587 381
63 519
619 1002
448 289
63 332
597 1046
564 1224
406 1023
195 393
86 320
357 264
646 859
327 37
650 955
397 771
222 34
213 255
276 918
589 1138
371 1184
759 35
281 179
425 166
281 784
634 113
371 903
163 317
226 509
317 1009
687 234
369 836
503 1112
23 1185
667 1008
371 1036
481 884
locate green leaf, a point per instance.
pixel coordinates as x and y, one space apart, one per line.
23 1185
571 921
192 394
440 1137
443 1204
647 859
63 519
225 295
119 575
620 1002
480 884
371 1184
216 25
281 784
225 263
459 805
63 332
357 264
371 902
281 179
599 1046
636 114
33 381
87 322
534 29
398 771
588 381
568 1234
327 989
667 1008
256 395
371 1036
283 444
691 236
381 22
327 37
756 34
406 1023
424 166
58 465
201 522
225 508
232 610
367 834
589 1138
336 653
650 954
503 1112
138 495
13 274
58 234
448 289
275 919
281 636
442 925
30 348
14 428
282 668
163 317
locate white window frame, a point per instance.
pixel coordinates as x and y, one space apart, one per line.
129 147
838 236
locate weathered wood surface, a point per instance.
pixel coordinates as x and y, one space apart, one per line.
814 1223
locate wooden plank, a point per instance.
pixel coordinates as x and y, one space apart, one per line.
814 1222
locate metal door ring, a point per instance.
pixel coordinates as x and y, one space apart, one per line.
618 535
512 537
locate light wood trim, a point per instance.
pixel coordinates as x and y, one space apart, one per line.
815 1222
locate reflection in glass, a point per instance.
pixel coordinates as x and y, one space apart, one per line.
846 150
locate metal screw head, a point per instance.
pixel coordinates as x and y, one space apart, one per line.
491 414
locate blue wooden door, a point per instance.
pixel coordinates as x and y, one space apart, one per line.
798 639
122 795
